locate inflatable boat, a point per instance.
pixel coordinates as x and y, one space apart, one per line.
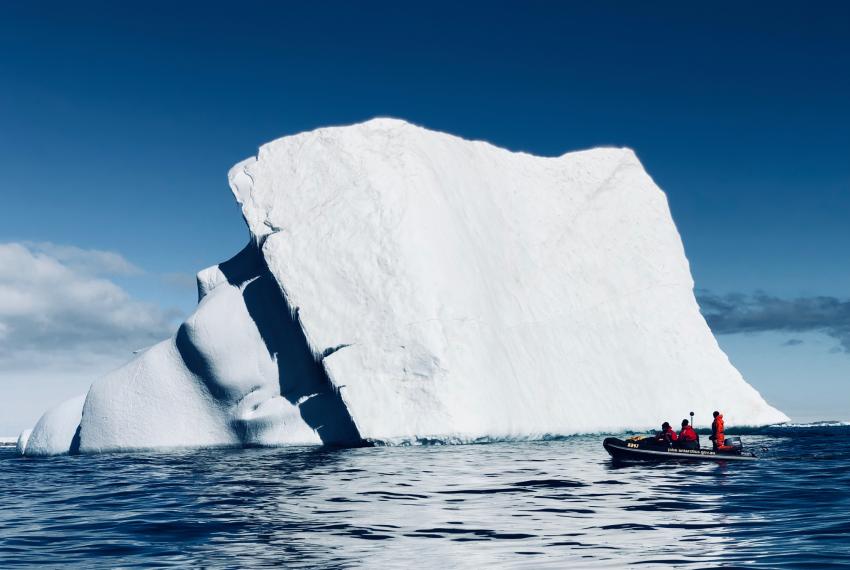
649 449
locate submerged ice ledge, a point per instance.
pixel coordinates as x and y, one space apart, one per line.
403 285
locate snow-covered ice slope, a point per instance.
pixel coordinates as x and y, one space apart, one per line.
466 291
56 431
404 285
235 373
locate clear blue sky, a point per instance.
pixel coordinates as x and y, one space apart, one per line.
119 121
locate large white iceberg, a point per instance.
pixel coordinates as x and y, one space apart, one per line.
405 285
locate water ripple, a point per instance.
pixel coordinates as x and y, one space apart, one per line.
540 504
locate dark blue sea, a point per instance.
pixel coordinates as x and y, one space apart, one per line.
541 504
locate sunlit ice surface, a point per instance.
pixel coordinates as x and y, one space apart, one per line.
537 504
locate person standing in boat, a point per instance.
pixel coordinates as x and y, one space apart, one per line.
718 438
688 438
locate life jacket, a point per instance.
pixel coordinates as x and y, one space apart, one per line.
717 429
666 436
688 434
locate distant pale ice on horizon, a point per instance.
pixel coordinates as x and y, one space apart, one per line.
402 285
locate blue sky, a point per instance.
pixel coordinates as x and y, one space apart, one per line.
119 121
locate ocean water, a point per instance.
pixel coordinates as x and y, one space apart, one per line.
540 504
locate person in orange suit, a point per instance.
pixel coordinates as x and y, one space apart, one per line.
717 438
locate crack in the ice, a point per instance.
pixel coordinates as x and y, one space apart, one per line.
330 350
272 227
256 388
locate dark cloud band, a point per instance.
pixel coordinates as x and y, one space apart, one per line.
760 312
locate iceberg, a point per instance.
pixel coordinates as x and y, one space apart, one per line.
57 431
402 285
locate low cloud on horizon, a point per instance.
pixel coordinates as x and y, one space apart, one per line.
759 312
60 298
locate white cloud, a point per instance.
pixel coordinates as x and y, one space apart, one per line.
63 323
90 261
58 302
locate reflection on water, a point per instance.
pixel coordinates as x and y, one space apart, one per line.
545 504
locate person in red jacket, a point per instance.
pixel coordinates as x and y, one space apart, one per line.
666 435
688 438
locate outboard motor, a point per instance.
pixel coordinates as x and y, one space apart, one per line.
734 442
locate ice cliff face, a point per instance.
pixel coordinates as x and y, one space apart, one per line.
403 284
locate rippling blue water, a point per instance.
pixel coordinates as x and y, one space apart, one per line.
544 504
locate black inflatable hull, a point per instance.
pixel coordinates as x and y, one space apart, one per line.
650 451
